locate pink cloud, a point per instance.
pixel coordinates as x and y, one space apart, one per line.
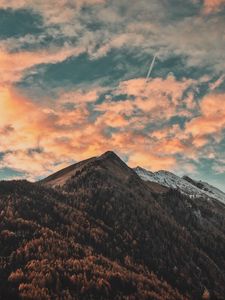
65 134
62 135
213 5
217 83
151 161
212 118
158 99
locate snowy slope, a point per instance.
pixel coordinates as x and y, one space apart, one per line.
208 189
185 185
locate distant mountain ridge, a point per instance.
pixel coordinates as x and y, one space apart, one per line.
185 184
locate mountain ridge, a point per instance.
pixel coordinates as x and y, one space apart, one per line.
104 233
184 184
108 157
164 178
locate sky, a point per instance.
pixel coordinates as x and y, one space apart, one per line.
73 85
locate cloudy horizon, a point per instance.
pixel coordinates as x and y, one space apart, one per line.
73 85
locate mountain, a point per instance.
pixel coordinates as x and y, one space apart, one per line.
96 230
207 189
185 185
109 159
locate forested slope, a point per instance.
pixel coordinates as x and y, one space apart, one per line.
103 233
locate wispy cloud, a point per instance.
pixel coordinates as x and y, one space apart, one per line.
13 65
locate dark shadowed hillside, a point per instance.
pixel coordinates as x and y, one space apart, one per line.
95 230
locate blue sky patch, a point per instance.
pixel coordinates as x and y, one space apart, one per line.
16 23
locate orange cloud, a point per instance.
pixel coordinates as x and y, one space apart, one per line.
112 119
79 96
160 97
14 108
171 146
125 107
26 118
169 86
212 5
146 103
170 132
212 118
63 133
151 161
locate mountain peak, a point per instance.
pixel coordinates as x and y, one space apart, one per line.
115 165
109 161
109 154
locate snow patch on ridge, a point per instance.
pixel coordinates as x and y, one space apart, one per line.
194 189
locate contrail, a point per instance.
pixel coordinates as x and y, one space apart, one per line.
150 68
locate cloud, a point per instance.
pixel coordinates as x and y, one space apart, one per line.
212 117
59 134
64 10
6 130
31 165
151 161
112 119
25 119
102 28
69 35
213 5
118 42
170 87
78 96
13 65
159 98
217 83
219 168
85 74
44 137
